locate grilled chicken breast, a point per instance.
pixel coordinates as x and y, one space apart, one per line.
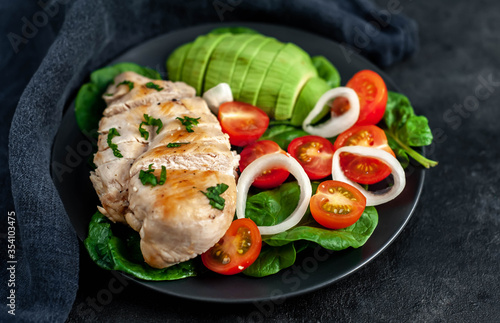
175 220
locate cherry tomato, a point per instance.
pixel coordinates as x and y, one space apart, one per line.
236 250
363 170
368 136
372 94
315 155
270 178
337 205
243 122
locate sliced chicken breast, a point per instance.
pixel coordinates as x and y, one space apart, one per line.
175 220
130 90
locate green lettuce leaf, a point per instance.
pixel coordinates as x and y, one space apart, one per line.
89 103
121 251
404 130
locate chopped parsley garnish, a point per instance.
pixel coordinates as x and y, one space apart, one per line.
150 121
108 94
176 144
130 84
151 85
189 122
147 176
213 194
163 175
111 134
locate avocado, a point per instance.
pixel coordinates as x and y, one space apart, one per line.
193 71
217 61
326 71
276 74
224 69
243 62
258 70
308 97
296 76
175 62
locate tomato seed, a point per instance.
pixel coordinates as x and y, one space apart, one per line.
226 260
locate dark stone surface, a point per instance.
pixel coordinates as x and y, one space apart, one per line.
444 267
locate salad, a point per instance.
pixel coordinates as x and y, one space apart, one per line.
294 119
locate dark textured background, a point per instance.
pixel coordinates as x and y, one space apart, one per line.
444 267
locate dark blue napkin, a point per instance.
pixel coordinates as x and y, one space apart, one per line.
84 35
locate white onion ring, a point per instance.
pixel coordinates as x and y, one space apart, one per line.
217 95
336 124
396 169
255 169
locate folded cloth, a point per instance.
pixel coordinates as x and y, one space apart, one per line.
91 34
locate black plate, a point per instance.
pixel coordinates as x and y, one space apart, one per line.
316 268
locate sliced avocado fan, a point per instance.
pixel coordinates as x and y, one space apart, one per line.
258 70
218 60
296 77
243 62
225 68
309 95
175 62
276 74
280 78
193 71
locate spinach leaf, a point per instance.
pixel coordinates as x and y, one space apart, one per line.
89 103
271 260
104 76
405 130
401 154
279 250
233 30
122 252
88 108
326 70
353 236
273 206
283 134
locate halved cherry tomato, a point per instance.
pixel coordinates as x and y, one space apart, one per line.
337 205
236 250
315 155
372 94
363 170
270 178
243 122
368 136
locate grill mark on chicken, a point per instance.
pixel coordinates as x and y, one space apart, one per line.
175 220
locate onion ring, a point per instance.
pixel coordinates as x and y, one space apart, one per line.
336 124
255 169
397 171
